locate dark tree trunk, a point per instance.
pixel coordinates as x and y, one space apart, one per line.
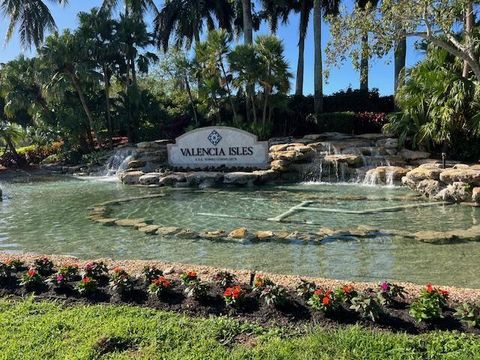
364 64
318 66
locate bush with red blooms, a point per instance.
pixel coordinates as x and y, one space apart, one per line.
193 286
32 278
95 270
151 273
429 305
121 282
324 300
44 266
160 286
234 295
261 282
87 286
189 277
346 293
15 264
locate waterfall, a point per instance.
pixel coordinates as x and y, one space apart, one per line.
119 161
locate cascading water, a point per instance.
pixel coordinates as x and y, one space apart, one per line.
119 160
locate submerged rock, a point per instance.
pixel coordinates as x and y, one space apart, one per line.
130 222
476 195
149 229
456 192
150 178
131 177
239 178
168 230
239 233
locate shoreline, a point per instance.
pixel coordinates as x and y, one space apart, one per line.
134 267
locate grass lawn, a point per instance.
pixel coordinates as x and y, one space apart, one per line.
48 330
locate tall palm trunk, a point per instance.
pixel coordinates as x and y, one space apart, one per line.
107 104
190 98
400 61
90 125
364 64
248 39
318 66
469 23
301 48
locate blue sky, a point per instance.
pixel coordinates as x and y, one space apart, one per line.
381 71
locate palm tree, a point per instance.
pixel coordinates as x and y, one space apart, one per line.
247 21
186 19
64 56
32 17
365 5
131 7
320 8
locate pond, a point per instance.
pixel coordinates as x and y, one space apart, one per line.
51 217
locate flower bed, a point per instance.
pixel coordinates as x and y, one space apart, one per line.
262 300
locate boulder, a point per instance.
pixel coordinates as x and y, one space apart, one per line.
428 187
279 165
151 145
469 176
239 233
424 173
149 229
456 192
130 222
150 178
265 176
131 177
385 174
389 143
372 136
283 147
239 178
264 235
136 164
187 234
168 230
204 178
435 237
217 234
476 195
414 155
106 221
290 155
354 160
172 179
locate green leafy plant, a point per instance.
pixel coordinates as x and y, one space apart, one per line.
95 270
5 271
32 278
234 296
15 264
87 286
273 295
44 266
189 277
225 279
429 305
151 273
346 293
121 282
367 307
160 286
70 272
324 300
389 293
469 314
306 289
261 282
196 290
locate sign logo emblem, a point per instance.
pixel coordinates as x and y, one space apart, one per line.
214 137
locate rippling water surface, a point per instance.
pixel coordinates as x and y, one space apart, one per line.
51 217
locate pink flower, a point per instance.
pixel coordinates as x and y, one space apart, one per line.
385 286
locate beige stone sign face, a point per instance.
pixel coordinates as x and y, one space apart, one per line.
217 146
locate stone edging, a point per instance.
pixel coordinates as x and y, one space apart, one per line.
100 214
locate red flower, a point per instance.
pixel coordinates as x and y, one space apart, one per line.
347 289
429 288
86 280
32 272
444 292
118 270
192 275
318 292
163 281
326 300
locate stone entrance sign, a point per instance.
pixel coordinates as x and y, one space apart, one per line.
218 146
